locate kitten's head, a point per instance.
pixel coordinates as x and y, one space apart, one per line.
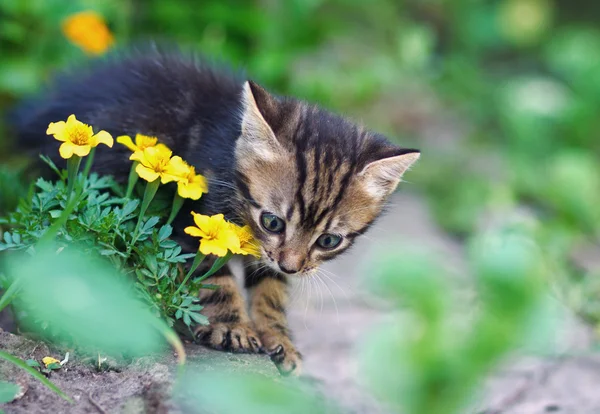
310 181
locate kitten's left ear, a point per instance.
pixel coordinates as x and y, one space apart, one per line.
381 177
258 138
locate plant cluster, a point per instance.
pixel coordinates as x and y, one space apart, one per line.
85 210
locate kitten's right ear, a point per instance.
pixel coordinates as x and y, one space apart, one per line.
258 137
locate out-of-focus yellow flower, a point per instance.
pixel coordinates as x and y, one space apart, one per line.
248 244
76 137
141 142
88 31
154 162
216 234
49 360
189 184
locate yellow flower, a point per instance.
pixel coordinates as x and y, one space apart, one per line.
216 234
189 184
248 244
88 31
76 137
49 360
154 162
141 142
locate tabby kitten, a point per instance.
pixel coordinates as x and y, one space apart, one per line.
308 182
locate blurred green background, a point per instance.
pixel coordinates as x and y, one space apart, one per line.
502 96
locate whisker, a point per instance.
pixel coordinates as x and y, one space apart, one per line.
337 313
330 277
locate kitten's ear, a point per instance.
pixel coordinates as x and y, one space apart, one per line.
257 136
381 177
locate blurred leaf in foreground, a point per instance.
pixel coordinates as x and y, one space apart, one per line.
82 301
252 394
431 362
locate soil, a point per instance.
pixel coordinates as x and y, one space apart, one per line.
330 325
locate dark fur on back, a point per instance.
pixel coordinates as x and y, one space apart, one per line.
190 105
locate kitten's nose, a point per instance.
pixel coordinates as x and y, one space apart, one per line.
286 270
290 261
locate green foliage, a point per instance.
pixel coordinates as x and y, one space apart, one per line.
429 363
101 225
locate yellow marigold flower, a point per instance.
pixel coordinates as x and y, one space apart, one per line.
189 184
88 31
49 360
217 236
76 137
154 162
141 142
248 244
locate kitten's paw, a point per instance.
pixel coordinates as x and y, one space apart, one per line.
283 353
233 337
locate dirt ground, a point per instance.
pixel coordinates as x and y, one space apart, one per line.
330 324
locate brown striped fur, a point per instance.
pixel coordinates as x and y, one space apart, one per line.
321 175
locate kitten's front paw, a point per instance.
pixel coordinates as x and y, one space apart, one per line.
282 353
233 337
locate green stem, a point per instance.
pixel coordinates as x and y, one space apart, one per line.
197 260
72 170
132 180
10 293
219 263
64 216
177 204
88 163
173 339
149 193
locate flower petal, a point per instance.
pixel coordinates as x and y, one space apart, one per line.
57 129
191 191
202 221
81 150
66 150
137 156
146 173
208 246
177 167
72 121
194 231
144 141
126 140
230 239
105 138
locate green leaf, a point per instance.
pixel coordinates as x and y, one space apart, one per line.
164 232
149 224
199 318
8 391
129 208
32 363
21 364
54 366
52 166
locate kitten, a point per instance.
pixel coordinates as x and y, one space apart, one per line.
308 182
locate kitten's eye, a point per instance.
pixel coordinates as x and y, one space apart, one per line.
272 223
329 241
